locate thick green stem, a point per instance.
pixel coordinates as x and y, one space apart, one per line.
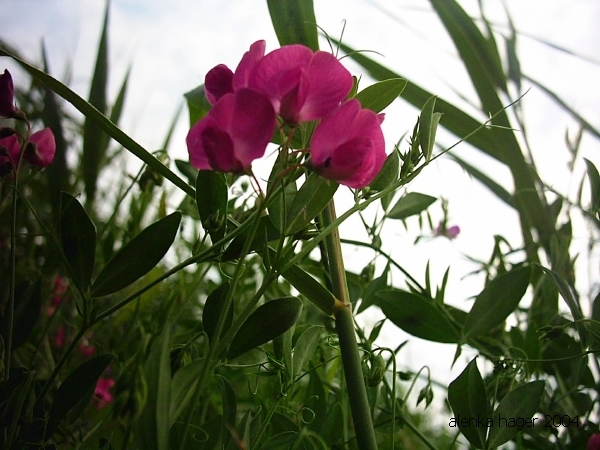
357 392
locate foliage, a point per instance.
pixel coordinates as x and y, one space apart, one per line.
227 322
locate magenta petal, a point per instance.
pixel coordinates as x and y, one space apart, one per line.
248 63
219 150
13 147
42 152
330 84
217 83
253 125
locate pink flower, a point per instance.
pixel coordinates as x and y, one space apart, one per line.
221 80
450 232
235 132
302 85
102 392
7 96
10 149
348 145
593 442
41 148
86 349
59 338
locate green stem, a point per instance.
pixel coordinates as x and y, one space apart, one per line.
357 392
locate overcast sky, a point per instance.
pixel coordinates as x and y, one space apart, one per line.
170 49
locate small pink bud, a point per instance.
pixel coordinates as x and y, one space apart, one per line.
102 392
593 442
7 96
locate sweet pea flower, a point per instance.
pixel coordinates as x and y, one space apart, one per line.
235 132
220 80
102 392
593 442
10 149
450 232
41 148
303 85
348 146
7 96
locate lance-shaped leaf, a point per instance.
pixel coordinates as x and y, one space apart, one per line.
213 308
312 289
294 22
78 239
305 347
388 174
417 316
229 409
138 257
198 105
95 141
77 385
266 323
380 95
497 300
521 402
594 178
183 388
310 200
468 399
411 204
211 198
428 123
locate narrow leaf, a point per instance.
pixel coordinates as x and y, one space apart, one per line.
312 289
294 22
198 105
77 385
380 95
428 122
229 409
213 308
305 347
183 388
594 178
266 323
211 197
411 204
388 174
468 399
78 239
521 402
417 316
311 199
137 257
498 299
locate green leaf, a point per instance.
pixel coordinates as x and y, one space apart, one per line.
137 257
78 239
198 105
211 197
388 173
266 232
213 308
280 441
333 427
95 141
312 289
468 399
428 122
594 178
380 95
567 294
294 22
183 388
266 323
305 347
311 199
498 299
153 423
411 204
77 385
370 295
417 316
521 402
229 409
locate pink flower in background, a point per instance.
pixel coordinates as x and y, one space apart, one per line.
593 442
41 148
450 232
7 96
102 392
59 338
303 85
235 132
221 80
348 145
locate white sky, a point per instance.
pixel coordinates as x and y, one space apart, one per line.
172 47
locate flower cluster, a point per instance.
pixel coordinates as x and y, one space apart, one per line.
38 149
297 85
